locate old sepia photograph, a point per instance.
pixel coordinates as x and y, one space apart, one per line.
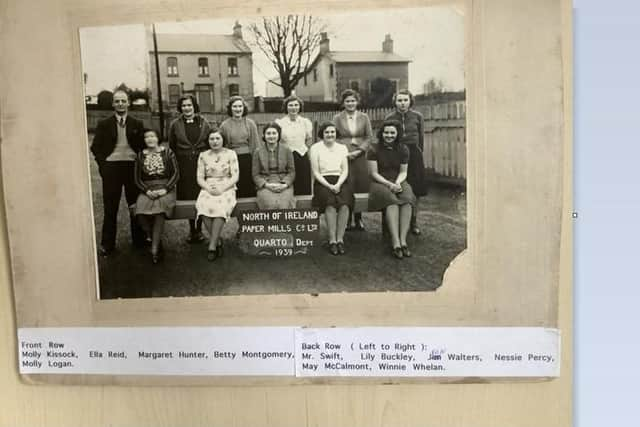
304 169
281 154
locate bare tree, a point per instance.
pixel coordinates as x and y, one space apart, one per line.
434 86
290 43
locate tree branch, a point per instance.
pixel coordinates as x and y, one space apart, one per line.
289 43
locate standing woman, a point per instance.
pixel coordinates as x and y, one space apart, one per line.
241 136
389 191
412 124
297 134
156 174
355 132
331 194
274 171
188 138
217 176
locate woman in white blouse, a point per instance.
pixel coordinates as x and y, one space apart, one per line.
331 194
297 134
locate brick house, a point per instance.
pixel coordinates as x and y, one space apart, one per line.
212 67
334 71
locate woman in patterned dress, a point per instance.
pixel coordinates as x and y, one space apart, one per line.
188 138
156 174
217 176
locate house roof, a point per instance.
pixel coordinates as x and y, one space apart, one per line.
359 56
200 43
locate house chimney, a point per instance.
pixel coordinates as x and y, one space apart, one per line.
237 30
387 44
324 43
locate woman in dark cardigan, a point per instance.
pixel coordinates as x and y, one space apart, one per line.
188 138
412 124
156 174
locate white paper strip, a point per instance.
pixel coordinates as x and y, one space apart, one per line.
157 351
292 351
428 352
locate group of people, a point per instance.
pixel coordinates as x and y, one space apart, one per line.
215 165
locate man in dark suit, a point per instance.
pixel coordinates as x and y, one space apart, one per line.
115 145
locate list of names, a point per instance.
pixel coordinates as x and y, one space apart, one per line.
292 351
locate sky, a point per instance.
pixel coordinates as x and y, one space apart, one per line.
432 38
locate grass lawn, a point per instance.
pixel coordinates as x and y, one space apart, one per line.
366 267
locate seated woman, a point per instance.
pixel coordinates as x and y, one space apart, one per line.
156 174
389 190
273 171
217 176
413 137
330 168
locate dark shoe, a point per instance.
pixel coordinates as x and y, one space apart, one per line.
196 237
147 242
340 246
406 252
415 231
212 255
220 249
359 226
397 252
155 258
333 248
105 252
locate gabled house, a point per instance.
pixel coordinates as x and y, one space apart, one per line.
212 67
374 74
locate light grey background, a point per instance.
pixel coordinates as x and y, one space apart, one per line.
607 198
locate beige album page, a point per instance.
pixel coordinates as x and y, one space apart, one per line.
492 80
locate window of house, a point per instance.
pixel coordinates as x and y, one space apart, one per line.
232 64
395 84
203 66
172 66
354 85
204 95
331 70
174 94
315 74
234 89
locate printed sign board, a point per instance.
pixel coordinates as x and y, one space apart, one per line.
280 233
